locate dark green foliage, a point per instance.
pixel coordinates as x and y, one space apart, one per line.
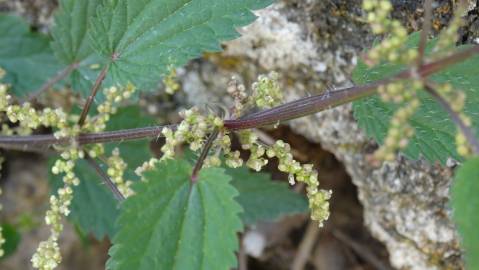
142 38
173 223
26 56
435 133
93 207
465 204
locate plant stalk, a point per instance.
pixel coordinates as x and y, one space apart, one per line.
91 98
203 155
105 178
62 74
287 111
466 130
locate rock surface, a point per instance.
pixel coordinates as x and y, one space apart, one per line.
314 45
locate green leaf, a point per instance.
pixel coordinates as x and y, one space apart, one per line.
263 199
144 37
25 56
173 224
93 207
72 45
465 205
70 30
435 132
12 240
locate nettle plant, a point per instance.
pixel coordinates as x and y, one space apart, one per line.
415 95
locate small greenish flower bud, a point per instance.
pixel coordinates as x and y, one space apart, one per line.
170 81
267 92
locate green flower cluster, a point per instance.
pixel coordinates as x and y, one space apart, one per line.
457 100
195 127
400 131
392 47
192 130
116 171
449 36
170 82
48 255
267 91
405 92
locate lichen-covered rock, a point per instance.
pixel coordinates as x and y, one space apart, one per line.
314 46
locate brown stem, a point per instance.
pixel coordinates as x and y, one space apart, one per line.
62 74
43 142
306 246
426 29
467 131
291 110
93 93
105 178
203 155
360 250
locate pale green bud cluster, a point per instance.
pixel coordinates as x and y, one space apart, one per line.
223 144
170 82
399 133
392 47
457 100
192 130
238 92
95 150
249 141
146 166
267 91
116 171
113 97
400 91
448 37
4 97
47 255
318 199
462 145
28 117
233 159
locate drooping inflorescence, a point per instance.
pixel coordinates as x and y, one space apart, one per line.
392 47
48 255
28 119
404 93
116 171
195 128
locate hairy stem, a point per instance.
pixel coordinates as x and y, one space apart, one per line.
93 93
203 155
288 111
62 74
466 130
105 178
39 142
